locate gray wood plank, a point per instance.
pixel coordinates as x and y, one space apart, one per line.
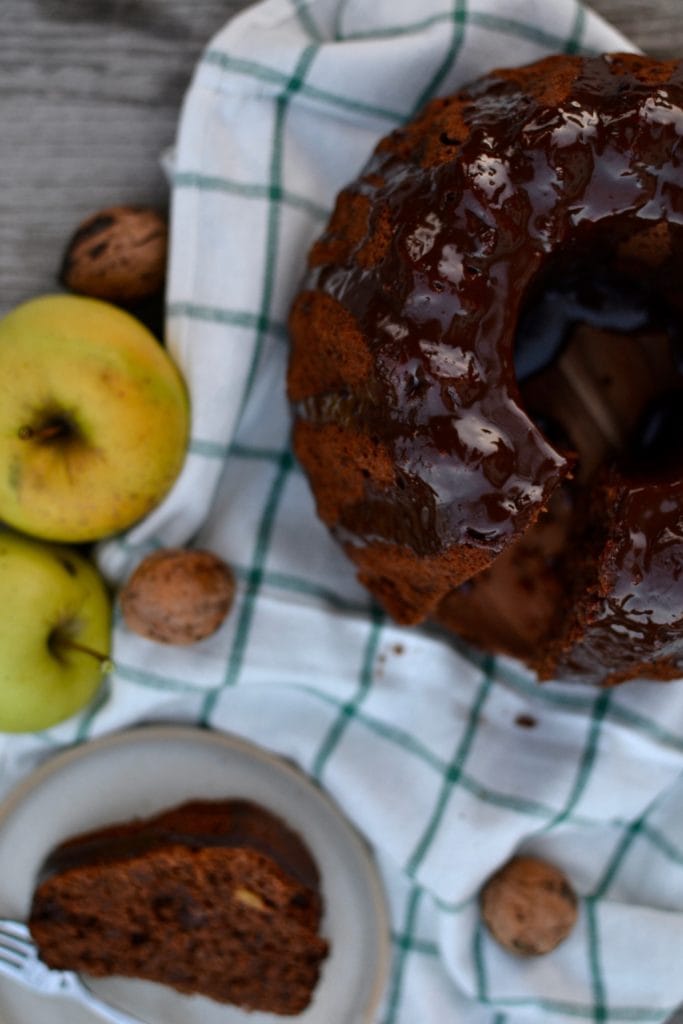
654 25
89 96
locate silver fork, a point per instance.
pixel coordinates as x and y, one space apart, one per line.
19 960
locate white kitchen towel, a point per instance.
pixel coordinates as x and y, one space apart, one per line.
446 760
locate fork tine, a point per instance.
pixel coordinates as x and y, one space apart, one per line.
10 956
15 963
16 946
17 929
11 946
16 936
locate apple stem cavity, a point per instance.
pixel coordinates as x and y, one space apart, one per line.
59 642
54 428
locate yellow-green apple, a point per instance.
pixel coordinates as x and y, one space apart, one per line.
54 632
93 419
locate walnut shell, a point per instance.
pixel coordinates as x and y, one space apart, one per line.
118 254
177 595
529 906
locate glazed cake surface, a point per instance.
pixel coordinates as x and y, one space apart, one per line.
218 898
448 454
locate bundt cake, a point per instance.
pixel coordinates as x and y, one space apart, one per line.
219 898
485 367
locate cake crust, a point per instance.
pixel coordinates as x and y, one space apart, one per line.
411 419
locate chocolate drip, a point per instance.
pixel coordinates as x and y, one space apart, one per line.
469 235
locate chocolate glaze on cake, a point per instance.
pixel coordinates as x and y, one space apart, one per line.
423 388
218 898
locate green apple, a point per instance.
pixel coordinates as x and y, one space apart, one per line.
93 419
54 632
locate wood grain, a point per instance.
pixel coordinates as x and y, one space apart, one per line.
655 26
89 97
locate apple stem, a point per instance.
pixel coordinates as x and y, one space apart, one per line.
105 661
45 433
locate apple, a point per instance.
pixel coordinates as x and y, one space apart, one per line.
54 632
93 419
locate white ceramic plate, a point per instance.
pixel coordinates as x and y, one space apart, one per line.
144 770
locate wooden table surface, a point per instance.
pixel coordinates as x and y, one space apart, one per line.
89 97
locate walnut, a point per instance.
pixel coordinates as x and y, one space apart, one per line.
118 254
529 906
177 595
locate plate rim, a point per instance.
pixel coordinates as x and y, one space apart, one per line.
64 757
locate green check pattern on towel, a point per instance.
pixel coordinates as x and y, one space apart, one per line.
417 739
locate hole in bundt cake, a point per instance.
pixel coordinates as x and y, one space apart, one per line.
598 364
596 354
656 444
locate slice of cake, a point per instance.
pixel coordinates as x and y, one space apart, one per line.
218 898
